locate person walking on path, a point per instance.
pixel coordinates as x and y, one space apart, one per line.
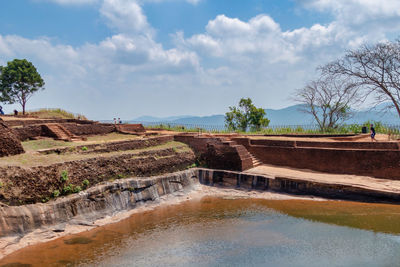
373 133
1 110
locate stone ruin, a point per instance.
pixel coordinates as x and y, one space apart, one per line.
9 143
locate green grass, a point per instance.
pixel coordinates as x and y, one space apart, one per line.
54 113
341 129
31 159
35 145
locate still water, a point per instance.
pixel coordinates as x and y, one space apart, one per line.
234 232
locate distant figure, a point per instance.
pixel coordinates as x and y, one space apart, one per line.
115 121
373 133
119 121
15 112
1 110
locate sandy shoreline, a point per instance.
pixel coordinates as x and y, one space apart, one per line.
11 244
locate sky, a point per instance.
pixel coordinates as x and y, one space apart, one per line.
128 58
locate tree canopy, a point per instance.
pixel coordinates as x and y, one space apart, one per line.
375 69
19 80
245 116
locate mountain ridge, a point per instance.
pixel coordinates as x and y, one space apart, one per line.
286 116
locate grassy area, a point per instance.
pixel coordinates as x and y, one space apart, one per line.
292 129
31 159
34 145
56 113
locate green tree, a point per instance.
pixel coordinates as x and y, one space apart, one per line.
19 80
245 116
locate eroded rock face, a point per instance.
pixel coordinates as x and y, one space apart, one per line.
9 143
94 203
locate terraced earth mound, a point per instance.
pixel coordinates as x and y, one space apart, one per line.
9 143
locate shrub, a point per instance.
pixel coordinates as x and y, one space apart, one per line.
77 189
67 189
56 193
194 165
84 148
85 183
64 176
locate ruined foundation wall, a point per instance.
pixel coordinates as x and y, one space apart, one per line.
217 154
382 163
33 131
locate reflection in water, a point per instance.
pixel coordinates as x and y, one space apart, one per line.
237 232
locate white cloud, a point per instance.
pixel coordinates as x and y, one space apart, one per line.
130 73
125 16
358 11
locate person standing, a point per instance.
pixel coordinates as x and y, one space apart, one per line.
1 110
373 133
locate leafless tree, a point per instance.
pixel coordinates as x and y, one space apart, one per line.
376 69
328 100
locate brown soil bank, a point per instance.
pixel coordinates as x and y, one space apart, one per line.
9 144
39 184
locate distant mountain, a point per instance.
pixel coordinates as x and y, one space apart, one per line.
289 116
158 119
286 116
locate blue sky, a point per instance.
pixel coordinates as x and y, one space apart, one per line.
128 58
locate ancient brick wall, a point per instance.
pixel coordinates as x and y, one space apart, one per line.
28 132
36 130
216 153
373 161
89 129
130 128
347 145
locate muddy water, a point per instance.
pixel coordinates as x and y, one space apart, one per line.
233 232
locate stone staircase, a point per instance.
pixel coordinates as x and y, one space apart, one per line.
247 159
61 133
256 161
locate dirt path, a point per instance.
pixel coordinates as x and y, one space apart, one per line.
341 179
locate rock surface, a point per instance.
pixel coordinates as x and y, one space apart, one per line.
94 203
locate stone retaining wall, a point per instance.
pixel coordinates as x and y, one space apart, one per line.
94 203
231 179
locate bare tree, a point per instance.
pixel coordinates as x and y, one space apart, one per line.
328 100
376 69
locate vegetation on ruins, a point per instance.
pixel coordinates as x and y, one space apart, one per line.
245 116
19 80
54 113
328 100
375 69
